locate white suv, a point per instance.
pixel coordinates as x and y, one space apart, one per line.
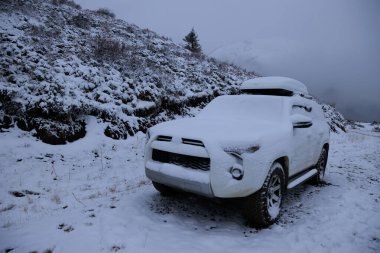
254 145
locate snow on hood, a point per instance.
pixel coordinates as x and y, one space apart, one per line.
226 133
232 119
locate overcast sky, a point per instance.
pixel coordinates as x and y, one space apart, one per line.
333 46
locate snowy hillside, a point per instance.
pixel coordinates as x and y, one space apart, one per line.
59 63
92 196
82 76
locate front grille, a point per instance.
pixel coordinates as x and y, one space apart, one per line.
164 138
187 161
192 142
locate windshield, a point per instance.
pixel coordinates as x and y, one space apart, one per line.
243 107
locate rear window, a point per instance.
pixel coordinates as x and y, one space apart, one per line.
271 92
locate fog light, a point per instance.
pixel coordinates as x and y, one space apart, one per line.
237 171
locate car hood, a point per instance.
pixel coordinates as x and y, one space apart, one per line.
224 132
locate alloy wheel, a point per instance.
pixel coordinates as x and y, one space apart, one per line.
274 196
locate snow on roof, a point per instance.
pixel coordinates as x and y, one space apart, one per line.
275 82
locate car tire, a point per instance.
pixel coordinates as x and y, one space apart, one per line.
263 207
321 168
163 189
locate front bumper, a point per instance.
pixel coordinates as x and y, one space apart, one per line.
215 182
189 180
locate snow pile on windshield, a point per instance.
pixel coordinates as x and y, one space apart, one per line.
244 107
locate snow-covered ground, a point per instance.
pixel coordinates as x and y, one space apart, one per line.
92 196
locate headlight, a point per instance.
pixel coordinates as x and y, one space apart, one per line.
237 169
237 152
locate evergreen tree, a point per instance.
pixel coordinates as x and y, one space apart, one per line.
192 43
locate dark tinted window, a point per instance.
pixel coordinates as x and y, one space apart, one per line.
271 92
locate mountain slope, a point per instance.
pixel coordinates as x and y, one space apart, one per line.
59 63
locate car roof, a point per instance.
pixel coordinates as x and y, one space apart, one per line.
275 83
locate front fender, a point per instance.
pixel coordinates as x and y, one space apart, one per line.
256 167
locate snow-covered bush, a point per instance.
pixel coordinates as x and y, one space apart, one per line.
108 48
81 21
334 118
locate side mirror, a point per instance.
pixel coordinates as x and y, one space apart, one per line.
301 121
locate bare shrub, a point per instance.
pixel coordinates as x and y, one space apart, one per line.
108 48
14 3
105 12
36 30
81 21
67 2
74 5
59 2
41 31
200 56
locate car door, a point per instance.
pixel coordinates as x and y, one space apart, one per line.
303 138
318 131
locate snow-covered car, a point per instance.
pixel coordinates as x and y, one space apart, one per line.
253 146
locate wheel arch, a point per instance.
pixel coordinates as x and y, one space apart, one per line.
326 146
284 161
